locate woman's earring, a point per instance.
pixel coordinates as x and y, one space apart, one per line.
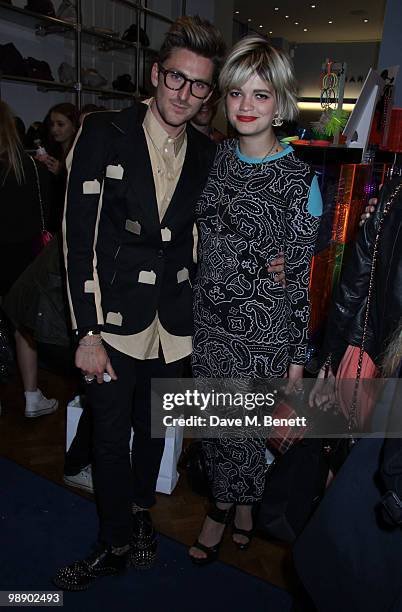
277 120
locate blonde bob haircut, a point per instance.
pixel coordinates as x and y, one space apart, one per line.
254 55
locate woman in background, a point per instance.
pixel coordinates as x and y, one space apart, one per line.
62 122
20 226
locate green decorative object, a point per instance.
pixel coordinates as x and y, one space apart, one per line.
337 121
331 123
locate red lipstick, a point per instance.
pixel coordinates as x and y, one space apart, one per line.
245 118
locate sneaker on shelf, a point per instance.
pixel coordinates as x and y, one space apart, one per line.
82 480
36 404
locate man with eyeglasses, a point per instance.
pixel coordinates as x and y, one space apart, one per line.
134 179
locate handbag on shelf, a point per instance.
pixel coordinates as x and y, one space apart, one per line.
38 69
67 11
44 7
92 78
131 35
44 237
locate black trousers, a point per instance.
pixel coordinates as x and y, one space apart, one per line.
113 408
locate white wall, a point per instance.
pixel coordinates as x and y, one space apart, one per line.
309 57
391 48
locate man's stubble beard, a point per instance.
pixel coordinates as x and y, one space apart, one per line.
179 123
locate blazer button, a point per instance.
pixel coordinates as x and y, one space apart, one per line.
160 253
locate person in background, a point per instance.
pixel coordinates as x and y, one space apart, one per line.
355 531
203 119
259 201
346 321
20 228
62 123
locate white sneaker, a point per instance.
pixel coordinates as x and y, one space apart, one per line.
36 404
82 480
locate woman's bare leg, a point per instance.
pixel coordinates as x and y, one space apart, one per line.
27 358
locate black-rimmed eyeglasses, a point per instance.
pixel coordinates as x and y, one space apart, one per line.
176 80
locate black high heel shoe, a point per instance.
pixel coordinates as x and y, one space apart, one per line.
248 533
219 516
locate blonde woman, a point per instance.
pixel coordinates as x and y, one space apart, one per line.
259 200
20 226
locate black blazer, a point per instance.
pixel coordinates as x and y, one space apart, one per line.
123 264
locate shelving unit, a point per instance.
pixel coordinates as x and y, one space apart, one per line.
81 33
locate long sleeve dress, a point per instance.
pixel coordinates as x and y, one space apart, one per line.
246 324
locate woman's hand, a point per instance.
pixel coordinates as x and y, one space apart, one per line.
323 392
277 267
295 379
52 164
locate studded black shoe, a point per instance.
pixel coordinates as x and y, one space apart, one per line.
143 543
79 575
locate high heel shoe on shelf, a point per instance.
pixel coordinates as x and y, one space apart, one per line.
219 516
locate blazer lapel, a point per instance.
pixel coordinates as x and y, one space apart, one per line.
135 156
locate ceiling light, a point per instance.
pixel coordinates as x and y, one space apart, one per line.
365 20
237 12
260 26
330 21
249 20
276 8
271 32
313 5
286 16
296 23
305 30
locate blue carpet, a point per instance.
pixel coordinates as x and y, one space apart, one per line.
43 526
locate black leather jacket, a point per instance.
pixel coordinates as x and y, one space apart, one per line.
346 320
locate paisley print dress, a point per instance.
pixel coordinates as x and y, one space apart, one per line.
246 324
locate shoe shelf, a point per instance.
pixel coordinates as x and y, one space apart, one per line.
19 16
45 86
146 11
44 25
42 84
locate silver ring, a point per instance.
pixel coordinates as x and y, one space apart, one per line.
88 378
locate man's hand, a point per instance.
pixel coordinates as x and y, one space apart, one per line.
368 211
323 392
277 266
94 361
